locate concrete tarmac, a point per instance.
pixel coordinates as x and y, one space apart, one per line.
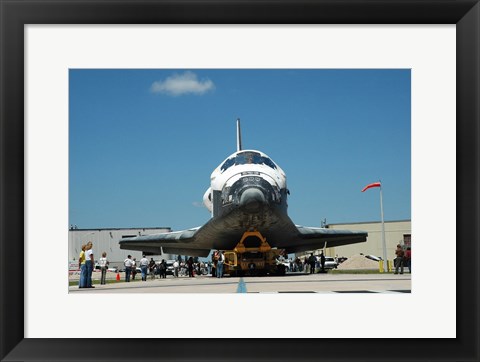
290 283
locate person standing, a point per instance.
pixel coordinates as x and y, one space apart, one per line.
214 263
312 260
322 262
144 267
408 259
190 267
128 267
89 263
160 267
163 269
103 262
134 268
175 268
399 259
151 268
221 260
82 282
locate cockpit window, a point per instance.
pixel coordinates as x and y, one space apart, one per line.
248 158
228 163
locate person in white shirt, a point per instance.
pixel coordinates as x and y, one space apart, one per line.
143 267
175 268
103 262
128 267
89 263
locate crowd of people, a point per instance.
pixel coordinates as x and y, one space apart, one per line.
214 267
309 264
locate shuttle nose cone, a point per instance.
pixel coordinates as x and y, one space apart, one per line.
252 200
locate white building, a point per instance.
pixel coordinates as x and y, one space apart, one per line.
106 240
396 232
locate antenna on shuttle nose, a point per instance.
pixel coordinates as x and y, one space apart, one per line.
239 136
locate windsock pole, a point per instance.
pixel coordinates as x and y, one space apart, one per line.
385 260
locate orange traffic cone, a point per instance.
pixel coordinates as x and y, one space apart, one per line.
118 276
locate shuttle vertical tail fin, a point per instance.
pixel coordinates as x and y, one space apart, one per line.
239 136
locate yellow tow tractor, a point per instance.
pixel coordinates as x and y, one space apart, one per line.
253 256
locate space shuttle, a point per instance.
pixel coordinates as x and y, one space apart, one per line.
248 192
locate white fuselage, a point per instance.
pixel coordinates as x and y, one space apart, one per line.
251 164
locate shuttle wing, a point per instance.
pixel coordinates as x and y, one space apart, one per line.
311 238
198 241
176 242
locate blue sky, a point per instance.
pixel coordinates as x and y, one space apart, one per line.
143 143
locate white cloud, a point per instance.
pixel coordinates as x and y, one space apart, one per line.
198 204
179 84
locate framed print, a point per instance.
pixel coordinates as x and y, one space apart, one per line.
41 321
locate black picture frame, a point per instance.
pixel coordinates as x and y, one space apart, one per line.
15 14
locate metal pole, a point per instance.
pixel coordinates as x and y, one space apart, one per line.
385 261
